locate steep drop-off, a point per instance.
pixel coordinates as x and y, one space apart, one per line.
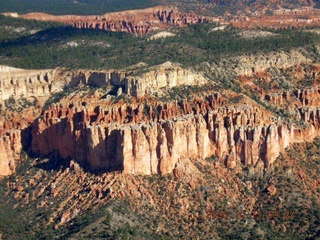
142 22
145 121
149 138
25 92
138 22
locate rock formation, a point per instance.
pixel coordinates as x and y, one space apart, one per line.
147 136
166 75
138 22
281 18
10 146
122 123
17 84
143 138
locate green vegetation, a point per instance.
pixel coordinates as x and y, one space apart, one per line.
80 7
11 28
22 103
86 7
208 209
79 48
291 213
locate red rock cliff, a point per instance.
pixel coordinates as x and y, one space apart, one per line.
139 22
149 138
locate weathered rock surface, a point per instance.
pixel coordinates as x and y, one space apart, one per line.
18 84
10 146
138 22
143 138
166 75
122 127
148 136
248 65
299 17
141 22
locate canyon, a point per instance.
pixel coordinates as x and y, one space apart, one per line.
128 139
21 87
186 133
123 120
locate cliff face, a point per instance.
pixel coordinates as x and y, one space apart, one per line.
141 22
298 17
166 75
138 133
144 138
13 137
10 146
138 22
248 65
19 84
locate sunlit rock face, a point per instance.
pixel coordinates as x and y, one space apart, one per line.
138 22
145 135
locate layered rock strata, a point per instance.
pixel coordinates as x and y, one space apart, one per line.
16 84
166 75
138 22
306 97
10 145
148 139
12 137
19 83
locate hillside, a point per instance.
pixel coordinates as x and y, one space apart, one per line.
206 7
52 199
161 123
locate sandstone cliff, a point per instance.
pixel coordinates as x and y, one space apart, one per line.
20 87
138 22
147 139
141 22
166 75
19 83
10 146
141 135
121 123
281 18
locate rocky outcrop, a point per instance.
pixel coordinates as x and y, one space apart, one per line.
14 135
16 84
278 98
306 97
248 65
19 83
145 138
138 22
10 148
166 75
282 18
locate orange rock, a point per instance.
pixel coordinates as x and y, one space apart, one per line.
138 22
271 190
237 134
